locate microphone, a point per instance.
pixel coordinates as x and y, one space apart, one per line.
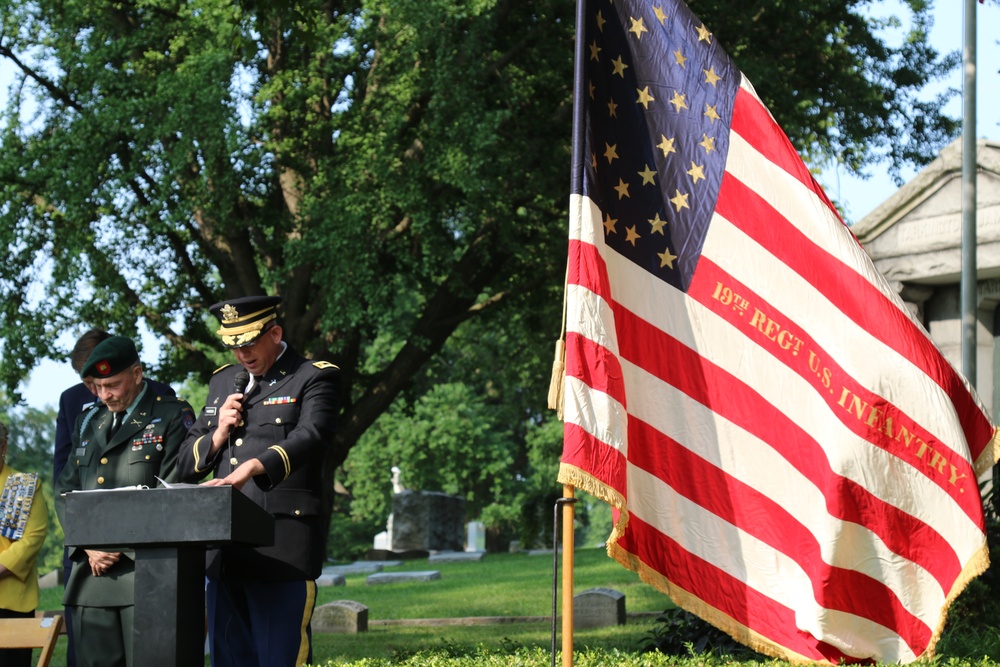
240 382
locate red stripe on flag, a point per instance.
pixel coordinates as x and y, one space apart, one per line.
865 413
587 268
755 125
854 296
595 365
739 403
733 597
754 513
600 460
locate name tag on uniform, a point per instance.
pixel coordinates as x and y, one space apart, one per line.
210 411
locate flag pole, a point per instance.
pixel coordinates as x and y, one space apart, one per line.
576 188
969 279
567 583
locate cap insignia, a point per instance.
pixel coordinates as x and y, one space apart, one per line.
229 313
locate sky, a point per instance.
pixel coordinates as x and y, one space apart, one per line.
857 196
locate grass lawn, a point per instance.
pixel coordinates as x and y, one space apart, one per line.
499 585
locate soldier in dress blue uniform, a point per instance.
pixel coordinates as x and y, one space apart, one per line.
130 440
271 429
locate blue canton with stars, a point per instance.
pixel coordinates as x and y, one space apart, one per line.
660 94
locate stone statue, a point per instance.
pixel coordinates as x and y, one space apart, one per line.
397 484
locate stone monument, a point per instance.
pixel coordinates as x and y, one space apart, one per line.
427 520
915 239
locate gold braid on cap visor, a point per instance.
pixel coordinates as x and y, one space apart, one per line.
245 333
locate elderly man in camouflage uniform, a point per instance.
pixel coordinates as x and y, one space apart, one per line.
132 438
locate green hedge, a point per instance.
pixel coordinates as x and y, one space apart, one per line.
537 657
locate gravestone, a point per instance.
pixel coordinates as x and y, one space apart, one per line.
475 539
398 577
341 616
325 579
357 567
381 541
456 557
427 520
598 608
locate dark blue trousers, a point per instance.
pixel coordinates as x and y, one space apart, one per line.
258 623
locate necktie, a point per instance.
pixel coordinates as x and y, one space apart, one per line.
116 423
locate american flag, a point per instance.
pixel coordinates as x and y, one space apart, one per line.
789 455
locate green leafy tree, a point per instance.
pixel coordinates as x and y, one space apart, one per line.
32 434
393 169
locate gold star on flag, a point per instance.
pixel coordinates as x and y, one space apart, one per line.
661 15
612 109
648 176
666 259
600 21
678 200
657 225
711 113
631 235
644 97
620 66
592 88
666 145
697 171
622 189
611 152
704 35
679 57
679 101
707 142
609 224
593 160
710 76
594 50
637 27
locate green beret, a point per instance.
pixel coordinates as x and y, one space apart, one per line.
110 357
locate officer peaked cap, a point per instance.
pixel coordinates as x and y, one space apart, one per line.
244 319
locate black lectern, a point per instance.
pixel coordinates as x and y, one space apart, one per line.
169 530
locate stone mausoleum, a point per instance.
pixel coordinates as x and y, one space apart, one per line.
915 240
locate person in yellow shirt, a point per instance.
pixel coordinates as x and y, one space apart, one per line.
24 520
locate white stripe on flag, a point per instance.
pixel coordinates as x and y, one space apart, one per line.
746 558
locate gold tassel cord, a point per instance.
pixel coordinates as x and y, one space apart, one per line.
558 378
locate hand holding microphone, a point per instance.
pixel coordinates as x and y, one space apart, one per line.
231 411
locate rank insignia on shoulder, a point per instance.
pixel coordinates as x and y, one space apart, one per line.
322 365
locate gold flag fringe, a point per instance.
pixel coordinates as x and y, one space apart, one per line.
989 456
978 564
569 474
